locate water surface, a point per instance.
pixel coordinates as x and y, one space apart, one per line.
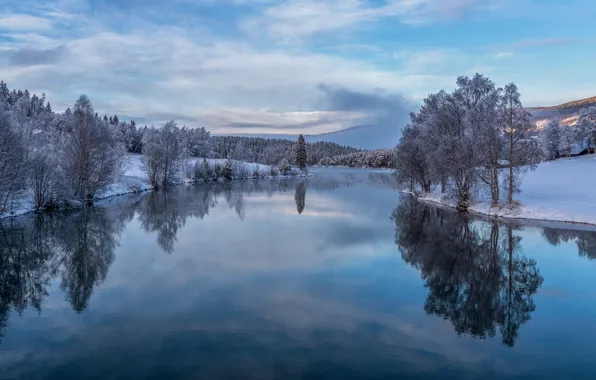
334 277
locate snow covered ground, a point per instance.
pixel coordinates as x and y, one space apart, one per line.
562 190
132 180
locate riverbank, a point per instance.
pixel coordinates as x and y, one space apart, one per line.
563 190
134 180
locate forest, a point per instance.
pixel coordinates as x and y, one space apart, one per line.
54 160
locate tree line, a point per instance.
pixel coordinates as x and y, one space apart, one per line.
560 140
377 158
51 160
477 136
270 151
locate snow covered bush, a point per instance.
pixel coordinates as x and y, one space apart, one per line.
284 167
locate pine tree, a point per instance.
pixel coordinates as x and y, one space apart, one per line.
301 153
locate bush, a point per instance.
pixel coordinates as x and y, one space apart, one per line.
284 167
217 171
227 172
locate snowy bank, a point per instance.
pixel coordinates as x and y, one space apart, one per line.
134 180
563 190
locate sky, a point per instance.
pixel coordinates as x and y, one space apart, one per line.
279 66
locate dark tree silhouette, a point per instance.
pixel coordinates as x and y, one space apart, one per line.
476 276
160 211
28 262
300 196
88 240
300 154
585 240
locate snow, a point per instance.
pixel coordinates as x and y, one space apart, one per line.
563 190
132 180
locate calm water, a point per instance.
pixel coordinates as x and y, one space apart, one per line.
335 277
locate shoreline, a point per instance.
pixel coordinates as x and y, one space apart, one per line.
107 194
485 211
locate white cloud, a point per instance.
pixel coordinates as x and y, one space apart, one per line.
289 21
503 54
24 22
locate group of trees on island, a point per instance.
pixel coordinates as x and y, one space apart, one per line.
477 135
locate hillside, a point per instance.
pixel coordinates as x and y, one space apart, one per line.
568 112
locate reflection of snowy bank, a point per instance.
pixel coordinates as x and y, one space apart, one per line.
561 190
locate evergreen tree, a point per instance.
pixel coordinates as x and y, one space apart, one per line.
301 153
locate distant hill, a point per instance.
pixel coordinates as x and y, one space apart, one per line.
361 137
567 112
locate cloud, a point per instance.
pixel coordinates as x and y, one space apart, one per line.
291 20
503 54
385 114
24 22
26 56
153 64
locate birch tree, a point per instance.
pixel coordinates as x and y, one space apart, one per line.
522 151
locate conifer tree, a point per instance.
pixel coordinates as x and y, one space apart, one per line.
301 153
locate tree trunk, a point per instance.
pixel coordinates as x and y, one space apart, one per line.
510 198
494 188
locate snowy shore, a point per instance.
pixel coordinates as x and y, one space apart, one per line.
132 180
563 190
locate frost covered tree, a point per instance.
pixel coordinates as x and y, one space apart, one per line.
568 140
466 138
522 150
411 159
12 152
586 126
153 154
172 149
284 167
300 154
92 159
551 139
376 158
162 154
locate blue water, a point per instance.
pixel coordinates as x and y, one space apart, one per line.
334 277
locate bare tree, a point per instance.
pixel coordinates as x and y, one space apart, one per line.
172 152
92 158
523 151
11 160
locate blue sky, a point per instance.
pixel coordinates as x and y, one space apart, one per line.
257 66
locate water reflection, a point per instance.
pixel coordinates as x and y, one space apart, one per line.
475 272
585 240
300 196
78 247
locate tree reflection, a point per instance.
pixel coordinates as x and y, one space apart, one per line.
27 264
476 276
585 240
300 196
161 211
87 239
78 246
